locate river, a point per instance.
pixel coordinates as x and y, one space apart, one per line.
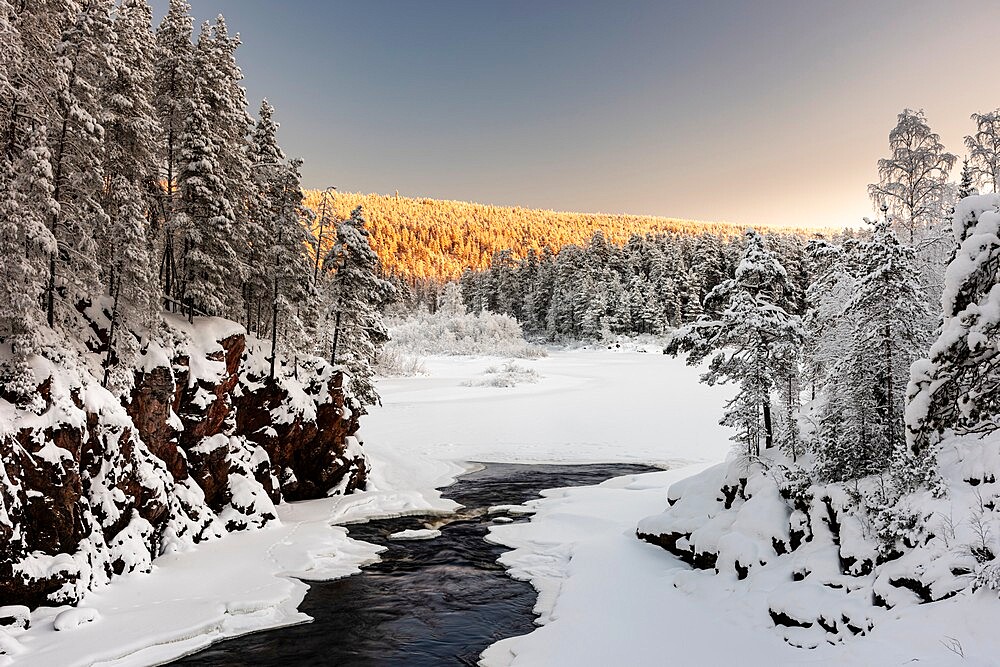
439 601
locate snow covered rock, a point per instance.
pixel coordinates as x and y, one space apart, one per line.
415 534
832 559
15 616
95 484
74 618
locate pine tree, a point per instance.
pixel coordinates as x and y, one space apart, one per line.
748 342
356 294
174 86
957 387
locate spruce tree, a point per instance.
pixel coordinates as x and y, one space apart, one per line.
957 387
83 63
356 295
748 342
862 422
26 244
966 184
131 129
284 237
231 125
209 261
174 87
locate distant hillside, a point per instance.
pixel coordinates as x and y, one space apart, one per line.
435 238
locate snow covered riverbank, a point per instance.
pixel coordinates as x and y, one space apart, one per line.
587 406
604 595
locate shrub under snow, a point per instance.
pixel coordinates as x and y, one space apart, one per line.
452 331
508 375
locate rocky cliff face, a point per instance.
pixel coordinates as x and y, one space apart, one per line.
94 485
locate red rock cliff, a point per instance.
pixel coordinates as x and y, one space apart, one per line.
93 485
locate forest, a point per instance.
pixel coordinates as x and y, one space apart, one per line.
133 178
423 241
864 415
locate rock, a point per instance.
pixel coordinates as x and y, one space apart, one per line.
74 618
15 616
170 463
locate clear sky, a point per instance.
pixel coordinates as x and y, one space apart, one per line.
753 112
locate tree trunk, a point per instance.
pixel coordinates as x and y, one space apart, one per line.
336 335
791 416
888 384
274 335
111 334
768 435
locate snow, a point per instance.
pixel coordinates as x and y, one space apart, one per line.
74 618
605 597
222 588
414 534
588 406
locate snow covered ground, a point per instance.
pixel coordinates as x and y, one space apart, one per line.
605 597
587 406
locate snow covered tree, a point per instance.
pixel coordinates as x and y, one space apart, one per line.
285 236
826 331
967 183
227 115
913 179
592 303
209 262
957 386
691 308
174 86
26 244
84 59
356 294
748 342
984 149
130 168
883 327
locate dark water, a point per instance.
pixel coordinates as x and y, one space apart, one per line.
428 602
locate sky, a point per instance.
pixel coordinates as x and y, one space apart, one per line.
764 112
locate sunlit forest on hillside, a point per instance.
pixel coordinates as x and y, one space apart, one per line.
438 239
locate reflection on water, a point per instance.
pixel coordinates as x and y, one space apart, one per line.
428 602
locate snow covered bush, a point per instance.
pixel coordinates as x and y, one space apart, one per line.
393 362
508 375
451 330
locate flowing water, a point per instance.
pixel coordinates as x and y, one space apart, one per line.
428 602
